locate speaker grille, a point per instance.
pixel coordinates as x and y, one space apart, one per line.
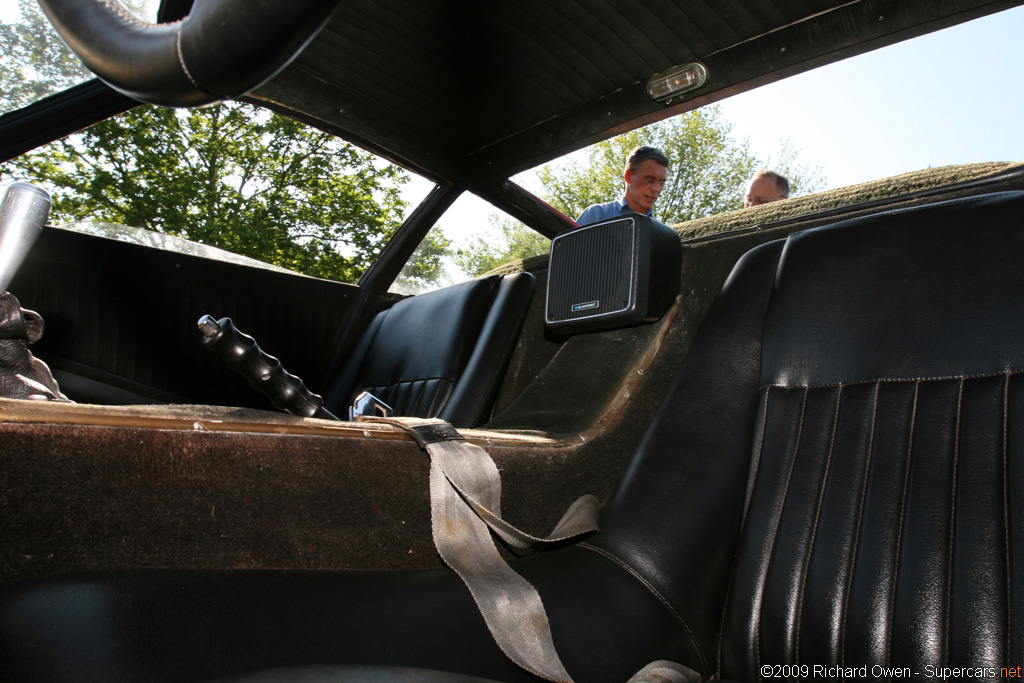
591 271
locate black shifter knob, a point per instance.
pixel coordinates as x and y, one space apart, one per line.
264 373
23 213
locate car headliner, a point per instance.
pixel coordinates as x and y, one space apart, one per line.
471 93
468 90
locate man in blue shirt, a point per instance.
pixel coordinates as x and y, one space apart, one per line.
646 171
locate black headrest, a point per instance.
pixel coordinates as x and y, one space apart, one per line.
928 287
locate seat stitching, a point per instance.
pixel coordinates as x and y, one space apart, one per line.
386 389
654 591
903 517
410 382
414 381
855 546
778 523
433 409
755 464
814 527
1001 373
952 520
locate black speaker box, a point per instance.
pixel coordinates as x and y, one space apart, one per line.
615 273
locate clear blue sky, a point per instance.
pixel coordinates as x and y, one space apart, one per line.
952 96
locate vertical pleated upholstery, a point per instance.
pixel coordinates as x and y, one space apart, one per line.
881 527
883 524
440 354
836 477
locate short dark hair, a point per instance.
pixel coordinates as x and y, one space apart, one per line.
781 181
642 153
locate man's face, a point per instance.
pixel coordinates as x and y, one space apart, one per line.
762 190
644 185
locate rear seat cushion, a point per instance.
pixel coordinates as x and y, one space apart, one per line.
440 354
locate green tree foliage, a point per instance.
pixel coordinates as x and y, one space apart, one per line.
33 61
425 270
508 240
230 176
708 175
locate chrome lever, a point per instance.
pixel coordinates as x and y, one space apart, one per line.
368 404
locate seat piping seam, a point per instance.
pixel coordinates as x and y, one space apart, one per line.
903 519
434 408
414 381
778 523
1000 373
817 520
653 591
855 546
955 483
755 466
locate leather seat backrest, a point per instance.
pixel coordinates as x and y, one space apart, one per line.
439 354
838 476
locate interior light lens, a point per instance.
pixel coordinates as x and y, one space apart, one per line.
676 81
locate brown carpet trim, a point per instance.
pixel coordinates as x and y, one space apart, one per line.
885 188
202 418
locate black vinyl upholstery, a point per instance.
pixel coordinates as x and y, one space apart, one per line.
862 445
885 514
834 479
440 354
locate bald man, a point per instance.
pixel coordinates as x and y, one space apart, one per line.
766 187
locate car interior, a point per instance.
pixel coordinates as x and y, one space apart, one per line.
799 429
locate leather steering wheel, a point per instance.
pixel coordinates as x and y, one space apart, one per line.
223 49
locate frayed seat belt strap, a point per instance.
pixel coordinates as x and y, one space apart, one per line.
465 506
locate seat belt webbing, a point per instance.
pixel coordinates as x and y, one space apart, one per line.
465 503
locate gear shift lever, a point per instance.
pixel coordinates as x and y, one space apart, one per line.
264 373
23 213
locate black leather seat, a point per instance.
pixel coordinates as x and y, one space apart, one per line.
835 479
440 354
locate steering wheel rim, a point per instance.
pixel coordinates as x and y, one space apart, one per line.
222 50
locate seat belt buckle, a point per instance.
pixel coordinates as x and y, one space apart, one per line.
366 403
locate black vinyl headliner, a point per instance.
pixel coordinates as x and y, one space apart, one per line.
469 93
472 92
